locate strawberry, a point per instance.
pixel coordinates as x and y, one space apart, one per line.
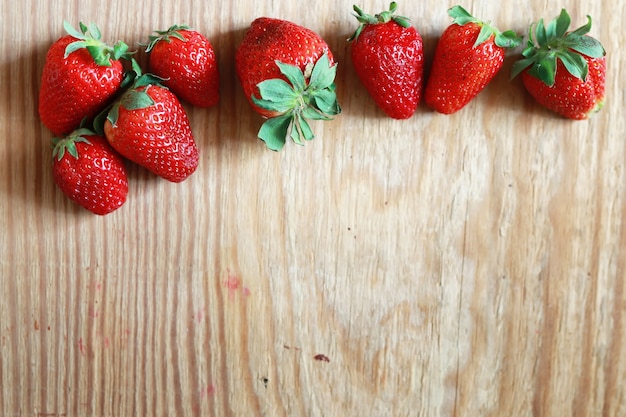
467 57
89 171
149 126
185 59
388 57
288 75
80 77
564 71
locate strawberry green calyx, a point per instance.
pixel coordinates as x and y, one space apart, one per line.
134 97
167 35
508 39
308 95
90 38
553 42
68 144
382 17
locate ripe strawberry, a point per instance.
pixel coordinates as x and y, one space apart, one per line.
89 171
467 57
564 71
185 59
80 77
149 126
288 75
388 57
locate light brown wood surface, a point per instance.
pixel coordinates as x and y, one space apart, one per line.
462 265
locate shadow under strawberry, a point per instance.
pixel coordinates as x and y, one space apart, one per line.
237 122
28 176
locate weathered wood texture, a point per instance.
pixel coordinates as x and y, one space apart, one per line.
463 265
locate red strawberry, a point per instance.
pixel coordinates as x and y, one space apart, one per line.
564 71
149 126
288 75
89 171
467 57
388 57
185 59
80 77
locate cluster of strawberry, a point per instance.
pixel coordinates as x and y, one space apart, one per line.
104 114
564 71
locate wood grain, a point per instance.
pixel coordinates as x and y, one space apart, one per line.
462 265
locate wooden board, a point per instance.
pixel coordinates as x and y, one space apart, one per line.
462 265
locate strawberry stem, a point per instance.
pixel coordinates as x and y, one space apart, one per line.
382 17
166 35
68 144
132 98
507 39
550 43
308 95
89 37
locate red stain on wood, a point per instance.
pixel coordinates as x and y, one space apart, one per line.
205 392
321 357
93 313
124 338
232 283
199 315
82 347
234 286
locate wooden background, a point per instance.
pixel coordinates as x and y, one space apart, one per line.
463 265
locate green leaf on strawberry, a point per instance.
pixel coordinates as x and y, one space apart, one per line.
308 95
131 98
460 16
134 98
167 35
277 95
90 38
68 144
274 131
293 74
551 42
387 16
507 39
